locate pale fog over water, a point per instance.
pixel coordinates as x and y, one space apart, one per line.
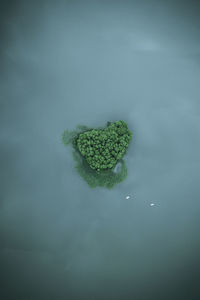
65 63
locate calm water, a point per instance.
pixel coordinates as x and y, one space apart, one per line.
78 62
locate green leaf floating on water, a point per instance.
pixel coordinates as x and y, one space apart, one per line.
98 152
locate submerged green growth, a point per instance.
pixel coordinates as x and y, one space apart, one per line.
69 136
105 178
97 151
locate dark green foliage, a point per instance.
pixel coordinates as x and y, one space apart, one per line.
103 148
97 151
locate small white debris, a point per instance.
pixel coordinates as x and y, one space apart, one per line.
152 204
127 197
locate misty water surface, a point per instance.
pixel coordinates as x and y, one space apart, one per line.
65 63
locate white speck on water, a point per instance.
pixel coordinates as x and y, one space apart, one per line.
127 197
152 204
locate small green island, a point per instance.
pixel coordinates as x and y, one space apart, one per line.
98 153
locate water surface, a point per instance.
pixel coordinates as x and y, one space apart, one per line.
76 62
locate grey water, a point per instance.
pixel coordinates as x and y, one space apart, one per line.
64 63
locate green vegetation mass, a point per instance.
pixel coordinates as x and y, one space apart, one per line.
103 148
97 151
